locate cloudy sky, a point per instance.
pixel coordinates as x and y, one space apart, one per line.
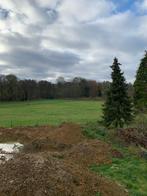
45 39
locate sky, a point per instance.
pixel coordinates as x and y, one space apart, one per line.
46 39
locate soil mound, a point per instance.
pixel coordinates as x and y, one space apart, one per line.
54 162
59 139
132 136
44 145
24 134
67 133
29 175
89 152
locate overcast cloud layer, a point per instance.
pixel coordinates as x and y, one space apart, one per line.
45 39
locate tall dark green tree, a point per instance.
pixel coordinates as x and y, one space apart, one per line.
140 85
118 107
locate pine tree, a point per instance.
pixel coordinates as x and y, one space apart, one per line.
140 85
118 107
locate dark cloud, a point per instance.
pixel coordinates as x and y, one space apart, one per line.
38 63
3 13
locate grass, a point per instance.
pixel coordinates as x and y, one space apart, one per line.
44 112
130 171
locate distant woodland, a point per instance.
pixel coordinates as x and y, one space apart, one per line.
14 89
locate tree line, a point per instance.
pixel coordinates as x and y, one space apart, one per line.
15 89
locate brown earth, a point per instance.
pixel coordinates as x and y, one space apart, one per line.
116 154
89 152
132 136
24 134
54 162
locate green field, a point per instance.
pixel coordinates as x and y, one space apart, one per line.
52 112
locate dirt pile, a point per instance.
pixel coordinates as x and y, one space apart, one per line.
59 139
67 133
132 136
54 162
25 134
88 153
45 145
35 175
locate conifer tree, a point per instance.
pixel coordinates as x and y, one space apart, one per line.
118 107
140 85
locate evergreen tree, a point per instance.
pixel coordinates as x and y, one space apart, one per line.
118 107
140 85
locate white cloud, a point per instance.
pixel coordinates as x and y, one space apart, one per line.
79 37
142 5
47 3
84 10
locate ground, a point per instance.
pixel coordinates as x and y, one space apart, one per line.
55 161
73 159
52 112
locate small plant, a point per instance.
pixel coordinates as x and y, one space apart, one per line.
95 131
98 194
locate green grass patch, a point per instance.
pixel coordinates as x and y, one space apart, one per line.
95 131
44 112
130 171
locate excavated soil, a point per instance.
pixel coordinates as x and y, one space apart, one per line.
89 152
55 162
24 134
132 136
